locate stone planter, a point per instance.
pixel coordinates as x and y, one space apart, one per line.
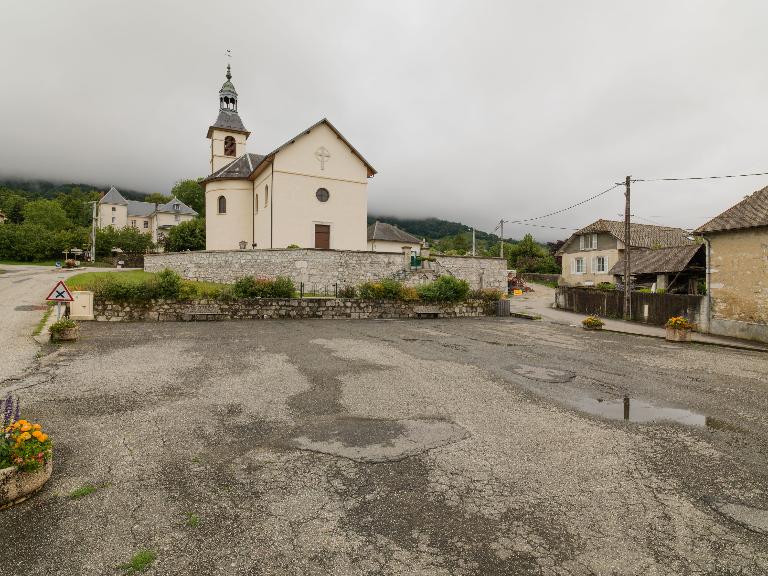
678 334
66 335
17 486
591 327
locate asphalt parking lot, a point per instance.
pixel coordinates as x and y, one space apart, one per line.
457 447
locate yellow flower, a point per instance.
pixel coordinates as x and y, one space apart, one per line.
25 436
42 437
37 427
26 427
37 434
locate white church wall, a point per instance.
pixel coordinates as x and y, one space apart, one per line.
263 221
389 246
225 231
297 210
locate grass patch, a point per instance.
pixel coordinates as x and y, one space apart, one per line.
193 520
140 562
548 283
82 492
88 280
43 320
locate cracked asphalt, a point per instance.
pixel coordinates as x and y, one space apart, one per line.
457 447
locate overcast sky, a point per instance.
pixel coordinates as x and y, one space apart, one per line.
470 111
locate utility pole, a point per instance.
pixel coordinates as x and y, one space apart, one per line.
473 241
627 239
501 223
93 233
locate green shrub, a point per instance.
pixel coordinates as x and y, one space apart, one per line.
292 247
168 284
487 295
386 289
444 289
61 325
347 292
607 286
250 287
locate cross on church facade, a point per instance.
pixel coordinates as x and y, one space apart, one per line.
323 156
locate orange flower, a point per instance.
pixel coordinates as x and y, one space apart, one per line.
43 437
36 427
37 434
26 427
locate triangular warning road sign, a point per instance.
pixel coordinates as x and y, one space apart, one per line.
60 293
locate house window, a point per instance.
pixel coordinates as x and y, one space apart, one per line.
266 195
601 264
177 217
222 204
322 194
176 207
133 223
146 223
230 147
113 219
113 209
588 242
578 266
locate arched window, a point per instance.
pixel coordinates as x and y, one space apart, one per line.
266 195
222 205
230 147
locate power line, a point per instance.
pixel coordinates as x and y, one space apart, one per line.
565 209
698 177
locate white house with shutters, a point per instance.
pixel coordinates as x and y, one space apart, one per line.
310 192
590 253
148 217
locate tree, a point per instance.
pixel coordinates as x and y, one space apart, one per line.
188 235
75 204
191 193
13 206
157 198
128 239
46 213
529 256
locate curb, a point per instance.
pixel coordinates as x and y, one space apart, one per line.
44 338
705 342
525 315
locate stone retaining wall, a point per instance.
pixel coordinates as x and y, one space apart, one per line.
273 308
325 267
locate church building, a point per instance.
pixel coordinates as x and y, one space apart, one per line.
310 192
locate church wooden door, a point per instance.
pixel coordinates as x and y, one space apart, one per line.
323 236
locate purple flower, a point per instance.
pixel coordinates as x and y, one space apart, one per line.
17 416
7 410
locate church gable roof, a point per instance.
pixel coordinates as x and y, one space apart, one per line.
248 165
113 197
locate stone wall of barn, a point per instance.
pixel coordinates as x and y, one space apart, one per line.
318 268
738 283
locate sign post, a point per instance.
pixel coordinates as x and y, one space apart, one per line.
59 294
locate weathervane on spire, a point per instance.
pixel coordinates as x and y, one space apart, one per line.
229 73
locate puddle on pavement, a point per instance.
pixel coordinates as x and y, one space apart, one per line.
633 410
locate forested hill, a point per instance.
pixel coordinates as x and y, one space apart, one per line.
36 189
432 228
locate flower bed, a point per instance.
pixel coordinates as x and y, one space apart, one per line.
592 323
26 456
679 329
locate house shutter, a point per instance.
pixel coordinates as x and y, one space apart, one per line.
581 242
594 241
594 264
573 265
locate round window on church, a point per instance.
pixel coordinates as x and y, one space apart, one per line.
322 194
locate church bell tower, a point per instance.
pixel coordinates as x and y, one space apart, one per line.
227 134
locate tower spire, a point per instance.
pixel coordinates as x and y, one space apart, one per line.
229 73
